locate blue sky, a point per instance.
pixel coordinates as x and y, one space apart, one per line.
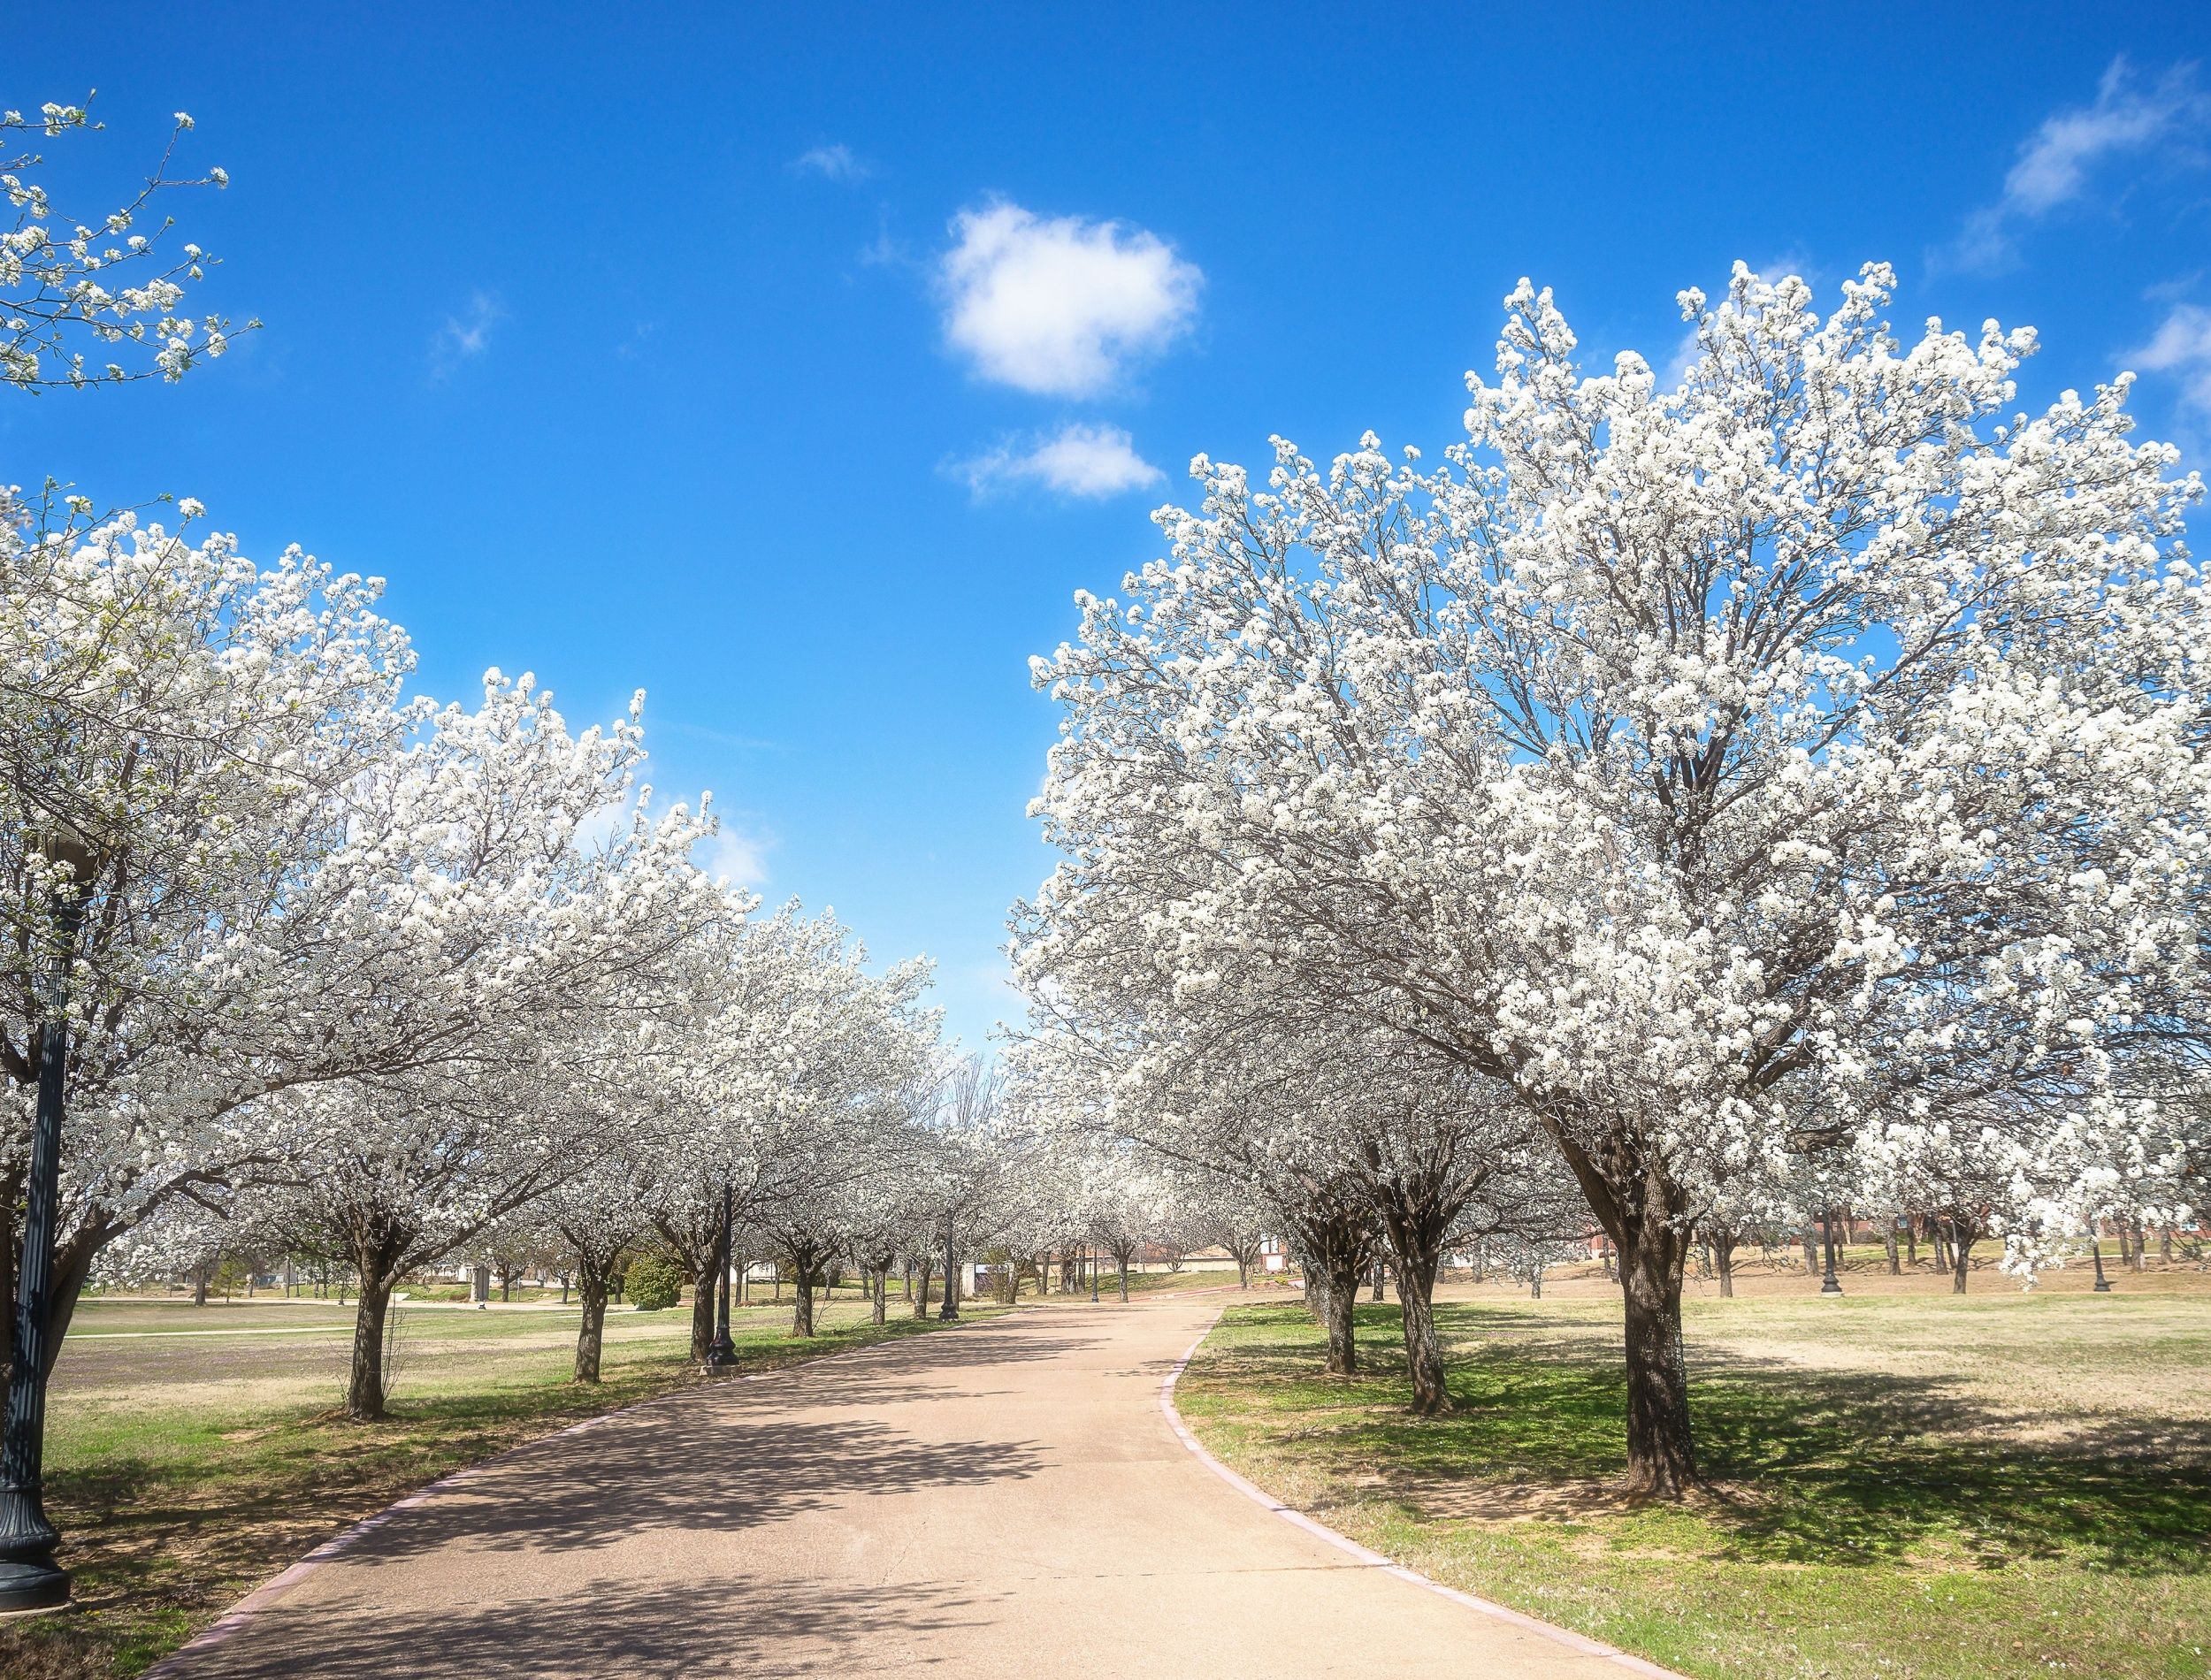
798 366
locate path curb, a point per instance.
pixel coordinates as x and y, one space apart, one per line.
1579 1643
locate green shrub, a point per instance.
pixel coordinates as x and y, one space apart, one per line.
653 1282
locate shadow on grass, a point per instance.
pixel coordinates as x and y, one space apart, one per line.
1817 1466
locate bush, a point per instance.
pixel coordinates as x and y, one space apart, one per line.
653 1282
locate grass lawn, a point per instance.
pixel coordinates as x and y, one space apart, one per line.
184 1467
1911 1485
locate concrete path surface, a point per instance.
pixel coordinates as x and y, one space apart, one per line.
1004 1499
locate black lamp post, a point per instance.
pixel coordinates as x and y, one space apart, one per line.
1830 1284
30 1579
2096 1247
951 1308
721 1352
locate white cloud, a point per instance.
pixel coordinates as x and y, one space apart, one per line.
831 162
740 857
466 335
2054 163
1058 305
1090 462
2182 346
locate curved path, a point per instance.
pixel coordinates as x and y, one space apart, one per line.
1003 1500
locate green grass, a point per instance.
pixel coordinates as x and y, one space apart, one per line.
185 1469
1909 1487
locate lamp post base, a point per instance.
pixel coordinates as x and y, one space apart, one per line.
721 1353
1830 1287
31 1583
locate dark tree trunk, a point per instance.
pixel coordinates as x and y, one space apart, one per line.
882 1293
1724 1261
1120 1265
1661 1451
1962 1235
920 1296
591 1283
802 1304
1316 1277
1416 1209
1340 1306
1424 1353
703 1295
378 1265
1896 1261
1641 1208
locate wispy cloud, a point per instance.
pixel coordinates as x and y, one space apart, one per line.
1089 462
1058 305
2056 162
739 857
832 163
2182 347
465 336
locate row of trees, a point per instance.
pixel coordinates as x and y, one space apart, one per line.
297 961
1691 802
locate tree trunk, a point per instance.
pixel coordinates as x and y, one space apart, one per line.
1961 1237
1724 1262
1424 1353
882 1293
1661 1450
1895 1263
1120 1265
1911 1240
364 1383
1339 1304
802 1304
591 1283
1812 1255
703 1293
920 1296
1316 1277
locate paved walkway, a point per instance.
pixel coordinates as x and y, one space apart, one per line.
1003 1500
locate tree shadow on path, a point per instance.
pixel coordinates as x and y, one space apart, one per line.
617 1631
